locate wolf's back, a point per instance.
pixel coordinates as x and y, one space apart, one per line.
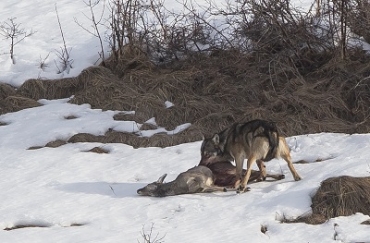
267 129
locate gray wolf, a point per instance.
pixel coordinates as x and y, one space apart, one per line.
257 141
194 180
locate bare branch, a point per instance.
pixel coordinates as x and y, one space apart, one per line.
11 30
95 24
64 53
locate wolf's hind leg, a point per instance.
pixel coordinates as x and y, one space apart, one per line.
284 152
288 159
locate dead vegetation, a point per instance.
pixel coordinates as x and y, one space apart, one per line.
133 139
38 225
6 90
56 143
339 196
210 98
16 103
99 150
23 226
263 229
367 222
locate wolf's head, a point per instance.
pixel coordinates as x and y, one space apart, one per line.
212 151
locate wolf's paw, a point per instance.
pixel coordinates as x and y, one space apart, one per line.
242 189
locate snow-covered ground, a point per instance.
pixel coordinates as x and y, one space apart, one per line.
82 196
66 186
43 45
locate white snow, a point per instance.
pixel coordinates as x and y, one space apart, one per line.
81 196
168 104
59 187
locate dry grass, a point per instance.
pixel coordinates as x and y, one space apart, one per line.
56 143
16 103
367 222
212 92
339 196
99 150
6 90
23 226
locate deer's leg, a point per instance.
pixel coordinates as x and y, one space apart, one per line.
262 168
208 189
275 176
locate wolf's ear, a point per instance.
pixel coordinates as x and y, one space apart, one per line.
161 179
216 139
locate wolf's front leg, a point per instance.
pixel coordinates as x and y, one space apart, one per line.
239 161
243 185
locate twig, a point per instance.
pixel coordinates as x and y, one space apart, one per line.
95 22
148 237
64 53
112 190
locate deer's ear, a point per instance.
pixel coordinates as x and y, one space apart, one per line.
161 179
216 139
